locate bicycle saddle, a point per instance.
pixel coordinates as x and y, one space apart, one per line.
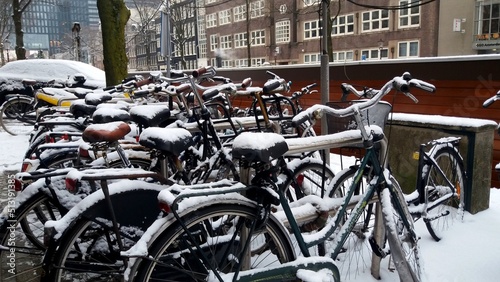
105 115
172 141
259 146
106 132
150 115
81 109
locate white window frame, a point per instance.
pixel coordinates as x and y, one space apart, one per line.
214 42
240 40
225 17
312 58
226 42
226 64
375 54
257 9
211 20
409 14
408 45
375 17
258 61
282 31
342 24
240 13
202 48
343 56
241 63
258 37
312 29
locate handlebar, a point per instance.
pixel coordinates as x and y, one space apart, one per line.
491 100
400 83
304 90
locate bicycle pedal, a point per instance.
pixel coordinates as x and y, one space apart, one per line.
376 248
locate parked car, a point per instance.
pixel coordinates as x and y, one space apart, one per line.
64 72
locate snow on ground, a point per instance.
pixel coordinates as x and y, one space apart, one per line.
470 251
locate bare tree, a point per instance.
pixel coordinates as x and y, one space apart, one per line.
183 22
143 23
18 8
5 25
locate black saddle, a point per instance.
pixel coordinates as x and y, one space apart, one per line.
171 141
259 146
150 115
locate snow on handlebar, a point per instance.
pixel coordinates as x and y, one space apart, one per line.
399 83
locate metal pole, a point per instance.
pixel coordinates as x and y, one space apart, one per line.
325 72
166 37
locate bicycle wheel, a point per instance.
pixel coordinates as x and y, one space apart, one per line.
356 254
401 235
307 179
219 230
443 216
22 235
18 116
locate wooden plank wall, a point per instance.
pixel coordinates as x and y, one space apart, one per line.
463 84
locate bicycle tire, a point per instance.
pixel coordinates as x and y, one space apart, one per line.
23 242
401 237
174 238
356 255
18 116
443 216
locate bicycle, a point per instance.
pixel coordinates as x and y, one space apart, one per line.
189 237
66 257
438 197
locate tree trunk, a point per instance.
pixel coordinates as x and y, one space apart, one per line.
114 16
17 14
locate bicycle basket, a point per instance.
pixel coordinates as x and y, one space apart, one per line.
377 115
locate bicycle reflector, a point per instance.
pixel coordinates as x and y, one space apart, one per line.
164 207
18 185
72 185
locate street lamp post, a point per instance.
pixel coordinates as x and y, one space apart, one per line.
76 34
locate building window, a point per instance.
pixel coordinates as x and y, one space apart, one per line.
224 17
408 49
312 29
210 1
312 58
226 64
409 17
240 40
487 23
239 13
213 42
374 54
226 42
211 20
258 37
283 31
203 50
258 61
343 25
257 9
343 56
241 63
375 20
